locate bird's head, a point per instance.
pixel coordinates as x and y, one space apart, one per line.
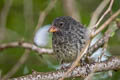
61 24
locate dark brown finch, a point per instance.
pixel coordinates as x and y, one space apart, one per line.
69 37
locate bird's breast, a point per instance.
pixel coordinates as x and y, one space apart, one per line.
64 48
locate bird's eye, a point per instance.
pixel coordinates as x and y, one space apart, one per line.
61 24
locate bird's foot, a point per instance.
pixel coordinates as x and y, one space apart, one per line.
64 66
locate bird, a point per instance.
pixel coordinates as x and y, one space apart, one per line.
68 38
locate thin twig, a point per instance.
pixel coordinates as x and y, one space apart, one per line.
97 12
103 26
105 13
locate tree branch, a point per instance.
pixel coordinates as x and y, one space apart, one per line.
26 46
111 64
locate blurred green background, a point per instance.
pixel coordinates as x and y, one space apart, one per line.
18 19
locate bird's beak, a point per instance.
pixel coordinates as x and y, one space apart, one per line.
53 29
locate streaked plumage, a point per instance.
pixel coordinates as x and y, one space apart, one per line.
69 38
